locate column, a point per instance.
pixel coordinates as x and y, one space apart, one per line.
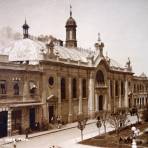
70 100
109 97
91 96
105 102
25 88
59 95
114 96
97 103
126 94
44 98
9 127
80 95
119 82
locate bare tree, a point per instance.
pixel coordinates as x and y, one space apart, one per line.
118 120
103 117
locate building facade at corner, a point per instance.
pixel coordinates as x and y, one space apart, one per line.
40 80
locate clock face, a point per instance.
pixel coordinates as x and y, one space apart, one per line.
51 81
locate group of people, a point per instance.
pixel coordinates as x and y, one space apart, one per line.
57 120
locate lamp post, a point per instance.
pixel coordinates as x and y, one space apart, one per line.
81 126
135 133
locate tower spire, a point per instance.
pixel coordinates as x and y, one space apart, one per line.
70 10
25 29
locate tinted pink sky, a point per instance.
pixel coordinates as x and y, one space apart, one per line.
123 24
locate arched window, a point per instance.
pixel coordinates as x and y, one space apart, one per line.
84 88
100 77
74 88
63 88
122 88
116 88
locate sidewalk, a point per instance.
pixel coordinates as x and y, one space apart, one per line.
7 140
73 142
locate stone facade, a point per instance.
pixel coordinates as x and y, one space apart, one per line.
63 81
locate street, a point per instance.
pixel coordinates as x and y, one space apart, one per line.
65 139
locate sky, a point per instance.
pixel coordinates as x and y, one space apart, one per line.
123 24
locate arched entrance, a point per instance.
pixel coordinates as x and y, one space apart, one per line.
100 103
3 123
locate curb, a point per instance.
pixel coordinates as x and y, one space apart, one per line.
58 130
48 132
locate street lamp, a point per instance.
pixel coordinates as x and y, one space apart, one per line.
81 126
135 133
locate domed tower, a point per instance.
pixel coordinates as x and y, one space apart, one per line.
25 30
71 31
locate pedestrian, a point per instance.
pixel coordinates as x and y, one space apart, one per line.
27 132
14 143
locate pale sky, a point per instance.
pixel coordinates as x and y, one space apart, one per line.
123 24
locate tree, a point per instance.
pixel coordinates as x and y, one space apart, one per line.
103 117
118 120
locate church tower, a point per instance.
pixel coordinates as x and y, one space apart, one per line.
71 31
25 30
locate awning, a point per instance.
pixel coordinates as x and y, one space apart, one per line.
26 104
51 97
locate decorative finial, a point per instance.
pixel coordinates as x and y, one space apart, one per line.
25 21
70 10
99 38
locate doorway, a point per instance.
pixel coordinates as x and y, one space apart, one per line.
3 123
51 112
100 101
32 118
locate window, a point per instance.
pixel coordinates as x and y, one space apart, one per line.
122 88
100 103
16 87
74 88
84 88
100 77
63 88
16 119
2 86
32 87
51 81
111 88
116 88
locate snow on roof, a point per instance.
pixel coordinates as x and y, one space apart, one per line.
25 50
114 63
143 75
74 54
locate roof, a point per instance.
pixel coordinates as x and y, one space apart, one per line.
74 54
26 49
71 22
34 51
143 75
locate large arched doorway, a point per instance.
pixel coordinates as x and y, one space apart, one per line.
100 103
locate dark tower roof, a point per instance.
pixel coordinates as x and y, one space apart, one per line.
25 30
71 22
25 26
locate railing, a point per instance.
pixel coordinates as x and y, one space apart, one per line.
101 85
